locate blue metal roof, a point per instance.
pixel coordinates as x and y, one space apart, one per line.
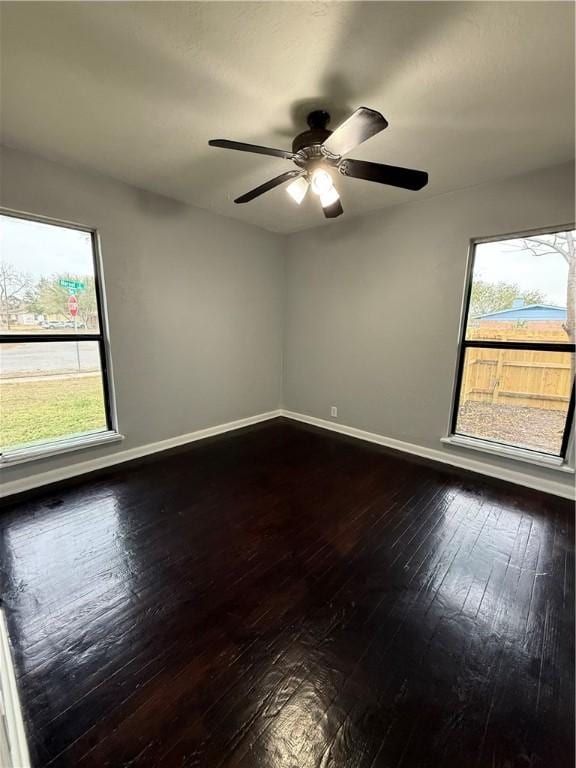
530 312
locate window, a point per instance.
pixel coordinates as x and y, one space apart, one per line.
54 389
515 379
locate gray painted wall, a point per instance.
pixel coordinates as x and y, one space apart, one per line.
362 313
169 269
373 306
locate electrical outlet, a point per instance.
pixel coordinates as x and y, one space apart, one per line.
333 411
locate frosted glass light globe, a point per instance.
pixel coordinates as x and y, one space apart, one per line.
321 182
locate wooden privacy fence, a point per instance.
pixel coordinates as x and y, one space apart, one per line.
527 378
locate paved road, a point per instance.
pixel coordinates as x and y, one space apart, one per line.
48 358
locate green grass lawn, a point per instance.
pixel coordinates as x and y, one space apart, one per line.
43 410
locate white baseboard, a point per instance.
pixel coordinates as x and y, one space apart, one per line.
81 468
463 462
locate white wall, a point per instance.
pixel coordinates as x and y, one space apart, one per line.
194 301
373 306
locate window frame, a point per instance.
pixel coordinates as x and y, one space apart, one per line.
479 443
71 442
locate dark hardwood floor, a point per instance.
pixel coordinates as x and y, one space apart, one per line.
282 597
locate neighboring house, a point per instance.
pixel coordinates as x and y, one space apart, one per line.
521 322
27 318
17 316
526 312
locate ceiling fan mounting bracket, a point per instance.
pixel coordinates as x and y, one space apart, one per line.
343 168
330 157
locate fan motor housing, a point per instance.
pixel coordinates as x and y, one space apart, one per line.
309 138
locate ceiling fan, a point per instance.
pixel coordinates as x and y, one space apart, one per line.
318 152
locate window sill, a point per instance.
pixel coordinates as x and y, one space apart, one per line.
58 447
509 452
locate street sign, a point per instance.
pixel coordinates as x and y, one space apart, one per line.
72 285
73 305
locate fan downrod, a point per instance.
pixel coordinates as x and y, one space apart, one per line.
318 119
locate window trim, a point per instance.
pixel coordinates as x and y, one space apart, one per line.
481 444
111 433
59 447
528 455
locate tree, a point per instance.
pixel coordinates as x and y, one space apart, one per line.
14 286
52 298
562 243
87 305
493 297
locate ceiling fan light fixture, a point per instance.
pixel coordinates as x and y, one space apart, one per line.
297 190
321 182
329 198
318 153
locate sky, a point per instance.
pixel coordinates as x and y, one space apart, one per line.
503 262
43 250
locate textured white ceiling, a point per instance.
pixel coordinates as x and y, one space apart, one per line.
472 92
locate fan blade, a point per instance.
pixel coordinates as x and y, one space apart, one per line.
359 127
225 144
334 210
268 185
406 178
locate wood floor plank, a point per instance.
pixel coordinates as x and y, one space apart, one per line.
283 597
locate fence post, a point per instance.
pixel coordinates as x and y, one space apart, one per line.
469 361
498 375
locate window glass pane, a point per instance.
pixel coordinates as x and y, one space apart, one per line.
516 397
520 289
49 391
46 278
